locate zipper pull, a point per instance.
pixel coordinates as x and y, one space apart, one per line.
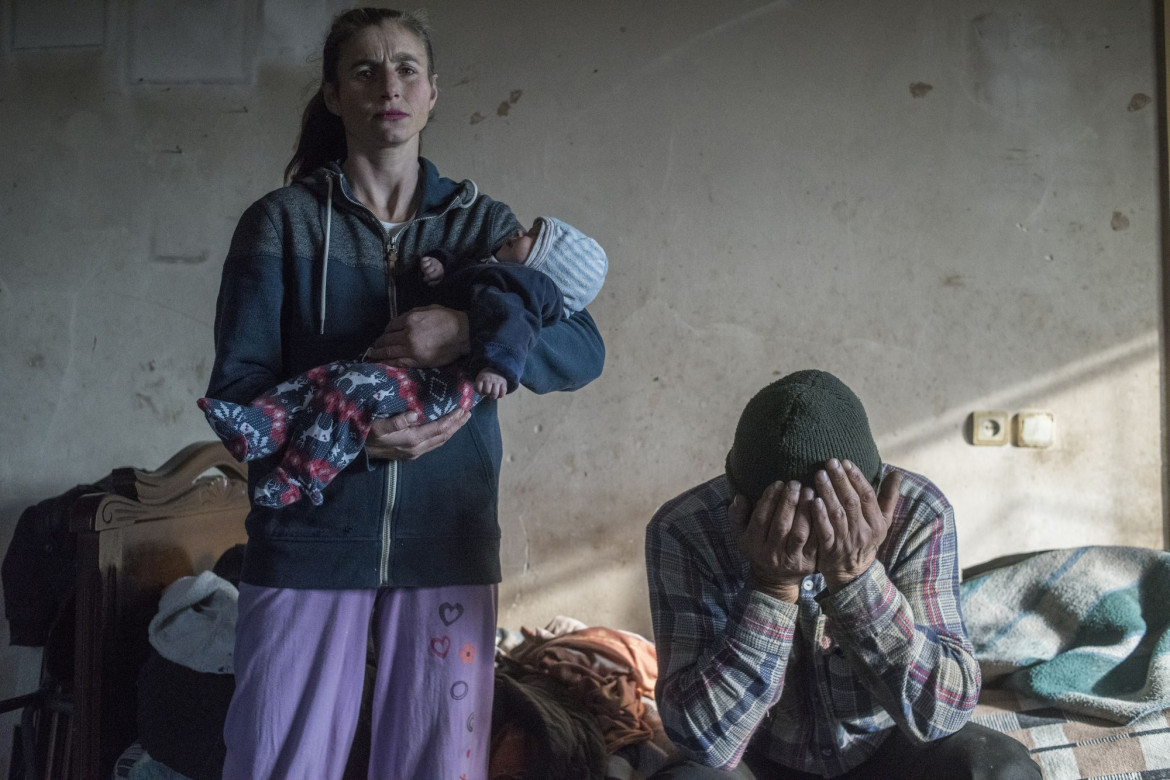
392 255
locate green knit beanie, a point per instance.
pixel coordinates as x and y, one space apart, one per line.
792 426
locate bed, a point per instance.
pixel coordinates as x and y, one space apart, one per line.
1068 746
191 509
1074 646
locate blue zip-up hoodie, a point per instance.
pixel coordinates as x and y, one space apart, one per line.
308 280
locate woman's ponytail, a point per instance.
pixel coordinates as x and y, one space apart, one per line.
322 139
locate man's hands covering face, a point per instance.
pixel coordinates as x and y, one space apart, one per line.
834 527
777 538
849 521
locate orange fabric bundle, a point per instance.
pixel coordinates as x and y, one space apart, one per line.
610 671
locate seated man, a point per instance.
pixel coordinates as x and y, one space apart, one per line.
806 609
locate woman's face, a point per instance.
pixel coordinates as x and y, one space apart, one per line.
382 94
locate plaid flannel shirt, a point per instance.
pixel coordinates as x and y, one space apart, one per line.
816 685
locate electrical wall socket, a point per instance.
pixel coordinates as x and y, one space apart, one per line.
989 428
1035 429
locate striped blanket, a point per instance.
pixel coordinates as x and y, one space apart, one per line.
1070 747
1083 630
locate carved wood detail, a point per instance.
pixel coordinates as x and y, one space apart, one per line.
181 487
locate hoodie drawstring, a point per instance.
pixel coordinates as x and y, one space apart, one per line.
460 202
325 251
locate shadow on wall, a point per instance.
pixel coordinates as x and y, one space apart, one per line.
1007 501
1071 376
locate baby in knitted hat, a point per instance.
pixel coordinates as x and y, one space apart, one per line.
319 420
573 261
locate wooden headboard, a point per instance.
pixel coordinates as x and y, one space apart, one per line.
188 511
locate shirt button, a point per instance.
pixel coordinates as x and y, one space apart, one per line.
808 585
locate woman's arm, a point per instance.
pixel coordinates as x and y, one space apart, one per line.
426 337
568 356
399 438
247 315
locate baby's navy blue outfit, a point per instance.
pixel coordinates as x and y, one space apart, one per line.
321 419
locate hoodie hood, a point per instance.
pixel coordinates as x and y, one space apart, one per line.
439 195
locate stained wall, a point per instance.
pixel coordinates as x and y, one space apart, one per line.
953 206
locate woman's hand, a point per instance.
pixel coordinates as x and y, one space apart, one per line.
426 337
401 438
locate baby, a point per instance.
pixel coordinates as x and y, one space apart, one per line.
516 249
319 420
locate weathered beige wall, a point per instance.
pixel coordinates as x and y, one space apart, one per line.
953 206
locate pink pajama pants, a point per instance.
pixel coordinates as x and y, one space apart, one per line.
300 662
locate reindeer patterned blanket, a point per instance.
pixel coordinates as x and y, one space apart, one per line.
319 420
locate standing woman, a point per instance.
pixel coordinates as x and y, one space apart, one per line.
406 545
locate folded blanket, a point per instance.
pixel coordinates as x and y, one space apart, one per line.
1084 629
609 671
196 623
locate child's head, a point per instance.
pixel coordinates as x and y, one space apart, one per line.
519 245
570 258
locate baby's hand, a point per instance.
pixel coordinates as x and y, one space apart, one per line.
432 270
489 384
